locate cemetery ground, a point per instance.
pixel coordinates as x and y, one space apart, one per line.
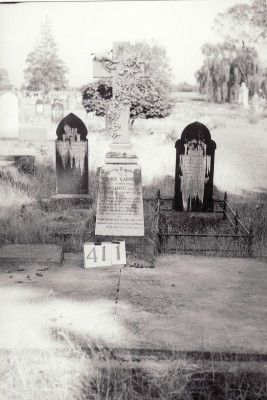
210 309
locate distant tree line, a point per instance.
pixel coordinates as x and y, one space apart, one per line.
236 60
184 87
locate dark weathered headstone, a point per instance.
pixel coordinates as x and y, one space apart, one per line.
194 171
57 111
72 156
39 107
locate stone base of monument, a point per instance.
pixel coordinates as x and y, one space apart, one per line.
63 201
19 256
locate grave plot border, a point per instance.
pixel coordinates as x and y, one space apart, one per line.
241 233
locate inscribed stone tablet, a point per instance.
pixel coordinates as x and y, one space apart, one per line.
120 202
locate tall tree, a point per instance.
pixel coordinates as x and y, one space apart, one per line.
225 67
4 79
259 18
159 64
45 71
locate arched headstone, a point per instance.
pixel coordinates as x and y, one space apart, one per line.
39 107
57 110
71 156
194 169
72 102
9 116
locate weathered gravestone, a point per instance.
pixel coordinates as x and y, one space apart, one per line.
256 102
194 171
243 95
39 107
72 102
57 111
120 202
71 156
9 117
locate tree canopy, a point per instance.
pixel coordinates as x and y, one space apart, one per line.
45 71
227 65
159 63
149 98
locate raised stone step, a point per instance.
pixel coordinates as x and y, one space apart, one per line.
30 255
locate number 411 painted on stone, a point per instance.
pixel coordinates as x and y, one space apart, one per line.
104 254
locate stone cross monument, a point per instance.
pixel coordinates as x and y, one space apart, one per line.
120 202
124 68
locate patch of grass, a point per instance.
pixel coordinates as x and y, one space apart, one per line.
69 373
252 117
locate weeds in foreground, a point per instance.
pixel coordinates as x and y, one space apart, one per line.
70 373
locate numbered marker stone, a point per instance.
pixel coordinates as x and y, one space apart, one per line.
97 255
105 254
118 254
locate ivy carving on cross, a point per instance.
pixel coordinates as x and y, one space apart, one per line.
125 68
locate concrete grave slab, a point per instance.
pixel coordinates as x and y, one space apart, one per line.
29 255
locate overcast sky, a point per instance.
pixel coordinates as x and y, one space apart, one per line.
81 28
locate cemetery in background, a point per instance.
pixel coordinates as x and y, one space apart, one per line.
239 162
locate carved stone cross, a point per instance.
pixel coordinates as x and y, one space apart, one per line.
125 68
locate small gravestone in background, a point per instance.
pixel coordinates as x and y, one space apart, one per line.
72 102
194 171
90 115
9 116
71 156
224 91
256 102
219 94
39 107
57 111
243 95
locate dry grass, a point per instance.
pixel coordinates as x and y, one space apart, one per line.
70 373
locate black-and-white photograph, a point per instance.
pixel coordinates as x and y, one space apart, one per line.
133 200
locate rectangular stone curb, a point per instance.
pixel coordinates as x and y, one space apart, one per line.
30 255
